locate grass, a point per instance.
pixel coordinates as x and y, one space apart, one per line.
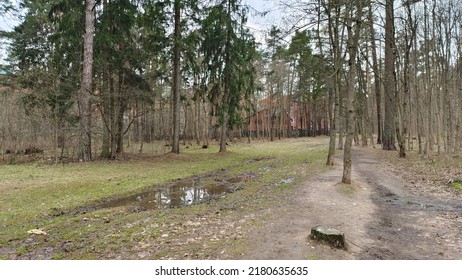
314 258
457 185
44 196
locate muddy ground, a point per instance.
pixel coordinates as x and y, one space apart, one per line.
395 209
383 215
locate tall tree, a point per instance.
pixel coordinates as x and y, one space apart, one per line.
224 37
352 46
87 80
120 69
389 132
332 11
403 99
275 76
227 71
377 81
176 77
184 44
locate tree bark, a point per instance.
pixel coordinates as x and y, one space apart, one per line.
389 133
86 86
428 88
333 22
290 86
377 82
352 45
176 79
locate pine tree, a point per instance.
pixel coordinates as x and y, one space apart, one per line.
224 38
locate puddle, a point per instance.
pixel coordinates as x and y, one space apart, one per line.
168 197
180 193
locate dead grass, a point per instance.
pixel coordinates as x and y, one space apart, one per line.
435 172
45 196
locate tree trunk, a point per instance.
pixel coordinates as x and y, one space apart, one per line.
352 45
176 79
377 82
333 130
121 108
271 116
86 86
106 113
290 86
227 84
224 128
141 126
409 37
389 133
428 88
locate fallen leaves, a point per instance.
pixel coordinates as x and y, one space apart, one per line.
37 231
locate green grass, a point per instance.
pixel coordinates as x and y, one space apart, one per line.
457 185
314 258
36 196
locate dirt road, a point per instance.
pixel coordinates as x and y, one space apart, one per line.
382 216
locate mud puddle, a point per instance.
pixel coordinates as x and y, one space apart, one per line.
180 193
169 197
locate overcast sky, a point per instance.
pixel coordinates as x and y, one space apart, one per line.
259 24
7 23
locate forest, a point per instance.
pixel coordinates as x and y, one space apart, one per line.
192 71
162 90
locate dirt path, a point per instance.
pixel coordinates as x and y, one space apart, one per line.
382 216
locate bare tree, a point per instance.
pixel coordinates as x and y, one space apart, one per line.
377 82
334 28
389 133
352 46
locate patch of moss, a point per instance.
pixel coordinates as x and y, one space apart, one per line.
457 185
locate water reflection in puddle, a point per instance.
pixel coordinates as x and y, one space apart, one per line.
181 193
172 196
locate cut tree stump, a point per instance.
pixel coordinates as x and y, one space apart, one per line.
330 235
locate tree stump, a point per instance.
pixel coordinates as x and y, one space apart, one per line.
330 235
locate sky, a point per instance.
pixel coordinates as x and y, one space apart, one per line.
7 22
256 23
